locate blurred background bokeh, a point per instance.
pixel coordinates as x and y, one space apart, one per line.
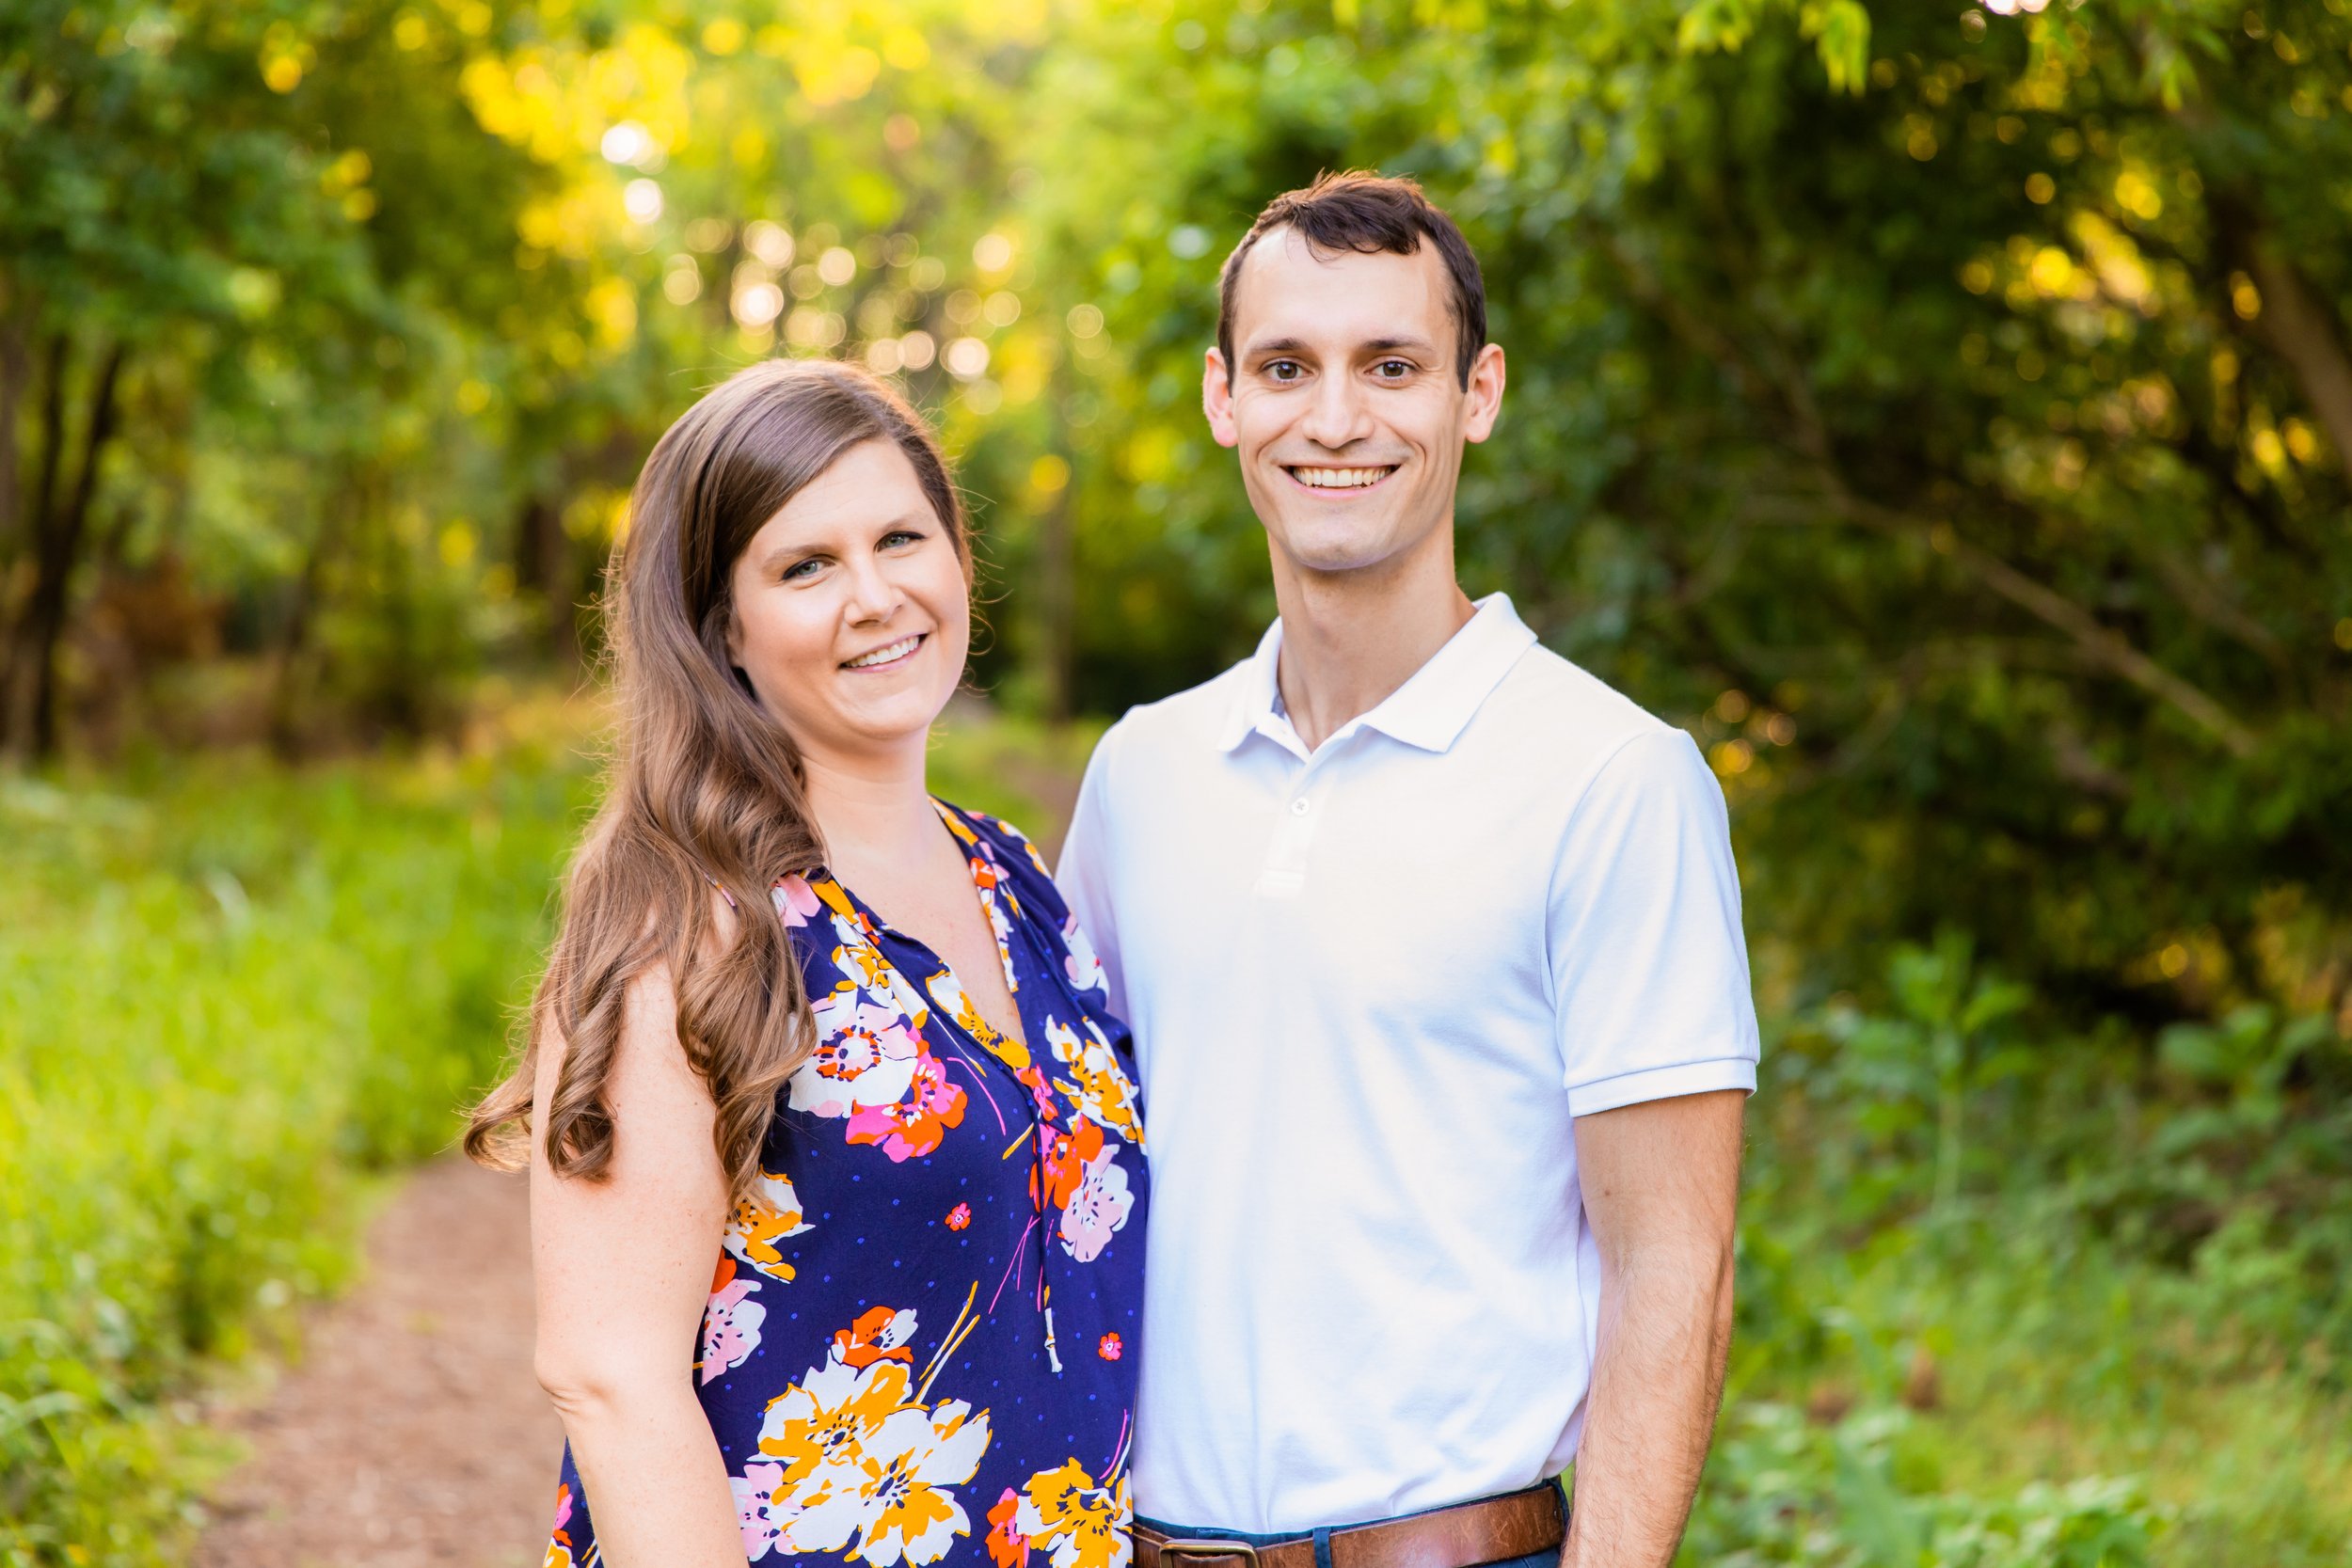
1940 409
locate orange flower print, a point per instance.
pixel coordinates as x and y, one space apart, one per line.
867 1050
1109 1348
959 1216
1096 1086
881 1335
770 1215
949 992
1084 1525
560 1546
1067 1156
1007 1546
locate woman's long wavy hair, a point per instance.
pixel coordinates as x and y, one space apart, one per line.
705 787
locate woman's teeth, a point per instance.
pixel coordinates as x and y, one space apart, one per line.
899 649
1339 478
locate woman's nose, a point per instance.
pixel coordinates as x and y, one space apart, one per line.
872 597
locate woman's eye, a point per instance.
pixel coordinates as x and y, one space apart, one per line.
803 569
897 537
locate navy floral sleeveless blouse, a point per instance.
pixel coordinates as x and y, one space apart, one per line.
920 1345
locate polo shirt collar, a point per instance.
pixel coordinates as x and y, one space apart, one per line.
1433 707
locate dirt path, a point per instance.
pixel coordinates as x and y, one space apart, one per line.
412 1433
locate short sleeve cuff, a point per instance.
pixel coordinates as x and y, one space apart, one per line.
1663 1083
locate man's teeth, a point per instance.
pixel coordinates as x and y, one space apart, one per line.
899 649
1341 478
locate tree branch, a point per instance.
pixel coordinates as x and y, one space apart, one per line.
2302 329
2098 643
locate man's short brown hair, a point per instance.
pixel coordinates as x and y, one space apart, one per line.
1370 213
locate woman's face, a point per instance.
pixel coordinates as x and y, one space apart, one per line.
852 618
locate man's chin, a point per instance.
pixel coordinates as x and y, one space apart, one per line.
1330 546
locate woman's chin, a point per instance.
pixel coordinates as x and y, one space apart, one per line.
882 723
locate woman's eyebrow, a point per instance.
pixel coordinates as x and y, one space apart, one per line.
783 554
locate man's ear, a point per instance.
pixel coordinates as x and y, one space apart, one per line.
1216 399
1485 394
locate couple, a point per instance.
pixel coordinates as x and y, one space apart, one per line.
1429 943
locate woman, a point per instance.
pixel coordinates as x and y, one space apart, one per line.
837 1173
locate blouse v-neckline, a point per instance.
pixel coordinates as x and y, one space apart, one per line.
967 848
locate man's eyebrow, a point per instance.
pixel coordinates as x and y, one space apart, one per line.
1376 345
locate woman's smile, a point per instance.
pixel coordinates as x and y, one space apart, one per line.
888 657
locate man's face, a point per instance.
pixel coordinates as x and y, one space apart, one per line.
1343 404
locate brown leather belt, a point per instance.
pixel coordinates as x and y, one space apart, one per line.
1491 1530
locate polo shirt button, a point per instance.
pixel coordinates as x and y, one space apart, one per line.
1299 807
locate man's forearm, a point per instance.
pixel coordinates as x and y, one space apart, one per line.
1665 1329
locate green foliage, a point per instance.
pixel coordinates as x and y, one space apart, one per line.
225 994
1782 1489
1978 1263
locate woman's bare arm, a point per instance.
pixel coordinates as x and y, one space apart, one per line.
623 1268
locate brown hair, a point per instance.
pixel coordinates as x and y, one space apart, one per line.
1370 213
705 787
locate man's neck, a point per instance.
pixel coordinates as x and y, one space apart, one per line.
1349 638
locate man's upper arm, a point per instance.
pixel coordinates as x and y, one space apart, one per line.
1084 873
1661 1171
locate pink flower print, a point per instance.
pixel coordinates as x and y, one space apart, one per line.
795 900
1007 1546
730 1323
865 1056
1109 1348
959 1216
1034 1081
1084 969
915 1126
1097 1209
758 1509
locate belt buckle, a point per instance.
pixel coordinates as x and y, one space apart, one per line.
1203 1546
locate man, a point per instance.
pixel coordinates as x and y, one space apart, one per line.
1431 943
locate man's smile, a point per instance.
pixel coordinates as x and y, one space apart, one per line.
1328 478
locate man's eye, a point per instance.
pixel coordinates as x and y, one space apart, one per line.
1395 370
1285 370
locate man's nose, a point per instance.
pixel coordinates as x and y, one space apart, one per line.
1336 417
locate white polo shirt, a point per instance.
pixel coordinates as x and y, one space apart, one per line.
1372 988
